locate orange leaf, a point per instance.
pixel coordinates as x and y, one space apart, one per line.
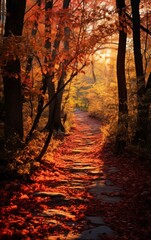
24 196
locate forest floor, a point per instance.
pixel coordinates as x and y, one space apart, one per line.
83 192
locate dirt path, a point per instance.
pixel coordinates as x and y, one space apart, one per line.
72 196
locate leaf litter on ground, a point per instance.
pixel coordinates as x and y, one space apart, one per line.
31 209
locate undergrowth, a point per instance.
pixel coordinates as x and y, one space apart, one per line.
21 162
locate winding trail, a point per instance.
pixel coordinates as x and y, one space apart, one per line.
61 201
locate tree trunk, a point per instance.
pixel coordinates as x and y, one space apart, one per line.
122 131
33 33
143 108
58 123
58 101
51 93
11 74
46 78
93 72
50 62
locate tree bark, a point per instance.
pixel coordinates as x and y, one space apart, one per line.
11 73
58 101
58 123
143 108
50 75
93 72
122 131
46 78
33 33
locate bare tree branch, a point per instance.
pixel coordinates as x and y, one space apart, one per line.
141 26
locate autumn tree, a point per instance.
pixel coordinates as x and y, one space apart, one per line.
121 78
56 103
49 61
11 70
48 75
33 34
143 105
67 40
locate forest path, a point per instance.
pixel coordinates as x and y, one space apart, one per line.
80 179
61 201
83 192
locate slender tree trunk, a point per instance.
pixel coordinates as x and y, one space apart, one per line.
11 74
48 139
143 108
93 72
58 123
30 62
51 93
121 79
58 101
2 16
50 83
33 33
50 63
46 78
39 110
